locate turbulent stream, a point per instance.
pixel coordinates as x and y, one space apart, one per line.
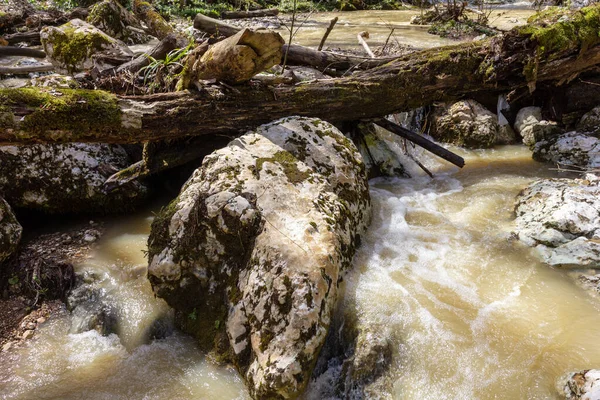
473 314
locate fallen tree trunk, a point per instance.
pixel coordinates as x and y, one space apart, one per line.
269 12
21 51
421 141
297 54
25 69
505 63
29 37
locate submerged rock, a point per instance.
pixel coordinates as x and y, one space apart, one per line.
66 178
10 231
115 20
71 47
561 218
532 128
572 149
364 371
465 123
583 385
251 252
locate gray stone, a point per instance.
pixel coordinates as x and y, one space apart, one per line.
532 128
583 385
580 151
527 116
70 47
66 178
251 252
590 122
10 231
465 123
561 218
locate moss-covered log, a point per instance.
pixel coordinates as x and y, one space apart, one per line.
518 59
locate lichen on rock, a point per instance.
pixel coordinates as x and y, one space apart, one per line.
582 385
254 247
465 123
66 178
10 231
574 150
561 219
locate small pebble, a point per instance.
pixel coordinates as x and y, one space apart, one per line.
41 320
27 334
89 238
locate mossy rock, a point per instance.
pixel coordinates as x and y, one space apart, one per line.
10 231
66 178
70 47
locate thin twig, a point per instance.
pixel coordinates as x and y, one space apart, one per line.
327 32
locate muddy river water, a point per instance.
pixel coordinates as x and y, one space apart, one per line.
473 314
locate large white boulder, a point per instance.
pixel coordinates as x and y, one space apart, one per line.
251 252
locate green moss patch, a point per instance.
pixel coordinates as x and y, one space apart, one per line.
77 111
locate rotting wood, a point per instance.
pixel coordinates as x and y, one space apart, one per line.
164 158
238 58
158 52
157 26
20 37
269 12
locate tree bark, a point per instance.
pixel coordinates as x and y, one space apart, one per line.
270 12
157 26
238 58
21 51
158 52
497 65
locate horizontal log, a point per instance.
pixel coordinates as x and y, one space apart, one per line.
26 69
20 37
214 26
299 55
496 65
21 51
269 12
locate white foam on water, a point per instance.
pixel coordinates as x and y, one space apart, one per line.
474 314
